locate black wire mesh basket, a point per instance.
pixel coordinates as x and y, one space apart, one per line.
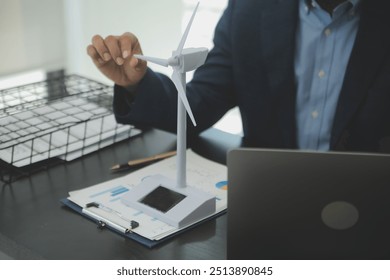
52 121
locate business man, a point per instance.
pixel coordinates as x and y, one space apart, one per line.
305 74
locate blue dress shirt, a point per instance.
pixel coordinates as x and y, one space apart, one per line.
323 47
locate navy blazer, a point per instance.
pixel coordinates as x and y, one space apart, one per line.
252 66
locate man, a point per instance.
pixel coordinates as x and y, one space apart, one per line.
305 74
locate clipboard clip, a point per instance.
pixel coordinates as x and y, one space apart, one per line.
133 225
102 224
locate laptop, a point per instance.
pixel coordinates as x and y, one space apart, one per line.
286 204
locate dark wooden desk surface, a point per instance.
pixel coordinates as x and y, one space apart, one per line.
34 224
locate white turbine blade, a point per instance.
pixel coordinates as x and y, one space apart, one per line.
180 90
184 37
159 61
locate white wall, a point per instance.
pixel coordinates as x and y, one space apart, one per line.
157 24
54 34
31 35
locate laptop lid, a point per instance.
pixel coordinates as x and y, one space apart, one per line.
308 205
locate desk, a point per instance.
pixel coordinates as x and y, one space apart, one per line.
34 224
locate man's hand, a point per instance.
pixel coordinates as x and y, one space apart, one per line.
113 56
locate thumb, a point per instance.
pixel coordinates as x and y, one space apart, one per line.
138 64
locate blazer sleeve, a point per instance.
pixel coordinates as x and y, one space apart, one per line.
210 93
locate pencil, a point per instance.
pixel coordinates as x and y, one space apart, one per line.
137 162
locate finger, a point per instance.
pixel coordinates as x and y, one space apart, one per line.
136 63
92 52
112 45
98 43
127 43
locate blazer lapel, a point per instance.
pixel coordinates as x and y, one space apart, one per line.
278 27
371 44
277 38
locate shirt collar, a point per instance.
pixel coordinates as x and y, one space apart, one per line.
311 3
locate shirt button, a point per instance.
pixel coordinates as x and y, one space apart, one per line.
328 31
321 74
314 114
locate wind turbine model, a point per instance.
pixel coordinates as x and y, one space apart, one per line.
174 202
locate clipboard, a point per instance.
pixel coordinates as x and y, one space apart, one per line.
109 212
132 235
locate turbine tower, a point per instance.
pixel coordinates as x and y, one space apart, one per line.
182 61
173 202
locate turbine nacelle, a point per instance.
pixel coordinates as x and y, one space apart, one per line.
189 59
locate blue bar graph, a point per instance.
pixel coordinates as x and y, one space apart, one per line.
119 191
113 191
